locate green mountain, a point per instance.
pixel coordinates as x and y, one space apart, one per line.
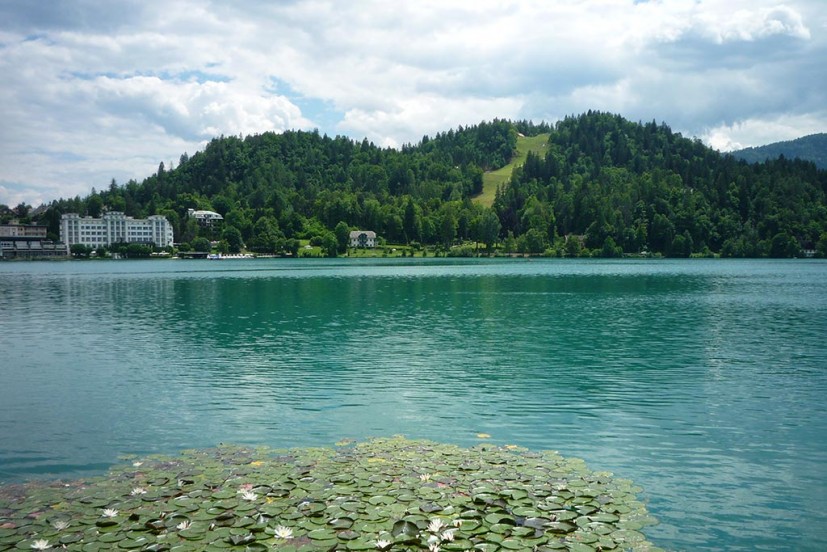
809 148
599 185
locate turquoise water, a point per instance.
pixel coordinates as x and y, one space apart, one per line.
703 381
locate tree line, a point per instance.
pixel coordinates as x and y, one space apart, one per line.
605 186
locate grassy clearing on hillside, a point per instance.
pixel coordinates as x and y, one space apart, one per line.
491 180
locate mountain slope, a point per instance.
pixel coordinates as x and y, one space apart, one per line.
491 179
621 186
809 148
641 187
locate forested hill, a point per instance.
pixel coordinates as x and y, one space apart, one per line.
643 187
810 148
605 184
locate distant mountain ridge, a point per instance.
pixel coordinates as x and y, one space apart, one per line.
808 148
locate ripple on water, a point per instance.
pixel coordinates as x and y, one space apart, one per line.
702 381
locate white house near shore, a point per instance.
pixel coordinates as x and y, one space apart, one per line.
362 238
114 227
204 218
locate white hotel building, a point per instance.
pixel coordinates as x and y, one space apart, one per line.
114 227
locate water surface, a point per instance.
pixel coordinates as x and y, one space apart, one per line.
704 381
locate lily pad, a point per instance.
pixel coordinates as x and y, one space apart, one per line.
111 537
430 507
341 523
560 527
241 540
500 519
404 530
514 494
500 498
501 528
321 534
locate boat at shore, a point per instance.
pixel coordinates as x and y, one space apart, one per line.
220 257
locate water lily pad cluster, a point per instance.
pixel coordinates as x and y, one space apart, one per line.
384 494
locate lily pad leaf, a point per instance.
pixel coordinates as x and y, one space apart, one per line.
405 529
241 540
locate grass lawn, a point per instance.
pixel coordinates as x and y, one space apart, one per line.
490 180
382 251
390 250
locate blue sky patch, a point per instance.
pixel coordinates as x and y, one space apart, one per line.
322 112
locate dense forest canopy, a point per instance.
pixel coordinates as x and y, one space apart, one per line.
605 186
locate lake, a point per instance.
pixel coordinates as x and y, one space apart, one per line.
704 381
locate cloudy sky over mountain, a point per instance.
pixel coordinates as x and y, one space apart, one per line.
94 90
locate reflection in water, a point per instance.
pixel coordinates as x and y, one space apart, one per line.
702 381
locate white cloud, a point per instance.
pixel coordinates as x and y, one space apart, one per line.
755 25
411 119
194 110
757 132
93 90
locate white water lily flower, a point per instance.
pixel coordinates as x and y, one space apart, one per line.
448 535
41 544
433 548
138 491
282 532
425 477
457 523
183 525
248 495
382 544
109 512
60 524
137 464
436 525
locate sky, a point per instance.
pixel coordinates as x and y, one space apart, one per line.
92 90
